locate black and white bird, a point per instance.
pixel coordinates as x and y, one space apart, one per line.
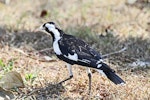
73 50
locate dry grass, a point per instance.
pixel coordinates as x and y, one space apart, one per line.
126 26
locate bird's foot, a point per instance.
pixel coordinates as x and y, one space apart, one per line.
66 79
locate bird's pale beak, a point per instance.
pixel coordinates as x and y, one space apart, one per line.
39 29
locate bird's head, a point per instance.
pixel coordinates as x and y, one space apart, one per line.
51 29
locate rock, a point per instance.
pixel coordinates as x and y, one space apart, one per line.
11 80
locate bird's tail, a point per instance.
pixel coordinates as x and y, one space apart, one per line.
110 74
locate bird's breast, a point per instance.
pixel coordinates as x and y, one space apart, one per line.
56 47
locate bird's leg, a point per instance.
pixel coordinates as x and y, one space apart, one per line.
70 73
89 75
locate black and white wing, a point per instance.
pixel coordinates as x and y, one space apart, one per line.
73 45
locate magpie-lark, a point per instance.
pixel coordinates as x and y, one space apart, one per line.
75 51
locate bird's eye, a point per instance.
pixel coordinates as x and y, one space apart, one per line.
44 25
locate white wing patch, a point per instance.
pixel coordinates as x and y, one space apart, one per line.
99 65
99 61
85 61
73 57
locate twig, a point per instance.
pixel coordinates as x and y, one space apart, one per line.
112 53
29 55
45 50
21 51
32 92
103 56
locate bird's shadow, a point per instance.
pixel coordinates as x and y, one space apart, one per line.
50 91
33 40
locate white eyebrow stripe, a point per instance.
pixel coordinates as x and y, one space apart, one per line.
50 26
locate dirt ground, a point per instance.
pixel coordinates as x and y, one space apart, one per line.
108 26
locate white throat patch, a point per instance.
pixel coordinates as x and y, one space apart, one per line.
53 29
56 47
57 37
